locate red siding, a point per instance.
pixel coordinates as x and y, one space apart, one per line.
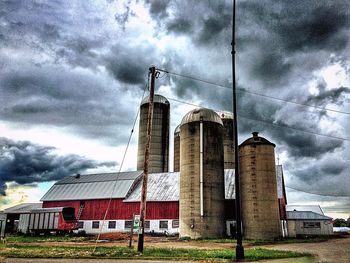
282 207
95 209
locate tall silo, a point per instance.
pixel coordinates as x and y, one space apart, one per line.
159 149
201 175
177 149
229 147
260 212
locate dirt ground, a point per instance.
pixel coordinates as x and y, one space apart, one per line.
334 250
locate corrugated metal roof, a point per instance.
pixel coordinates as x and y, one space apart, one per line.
313 208
279 174
22 208
201 114
156 99
96 186
104 177
305 215
165 187
230 184
160 187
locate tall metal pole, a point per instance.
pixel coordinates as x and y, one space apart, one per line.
152 72
239 245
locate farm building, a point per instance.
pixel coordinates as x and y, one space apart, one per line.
307 220
90 196
12 215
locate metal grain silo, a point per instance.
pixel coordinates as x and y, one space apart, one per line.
159 149
260 212
201 175
229 149
177 149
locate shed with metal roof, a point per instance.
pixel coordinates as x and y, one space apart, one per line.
308 223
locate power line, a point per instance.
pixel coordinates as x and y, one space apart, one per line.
251 92
270 123
313 193
120 167
296 129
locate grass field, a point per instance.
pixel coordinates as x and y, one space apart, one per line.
25 250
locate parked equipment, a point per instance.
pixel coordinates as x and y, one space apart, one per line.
44 220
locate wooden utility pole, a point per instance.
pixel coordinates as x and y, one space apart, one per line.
239 245
152 72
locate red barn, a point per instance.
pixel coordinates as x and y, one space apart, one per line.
91 195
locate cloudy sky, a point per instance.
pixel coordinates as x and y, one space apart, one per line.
72 74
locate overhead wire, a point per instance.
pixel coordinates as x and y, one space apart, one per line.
313 193
121 166
252 92
270 123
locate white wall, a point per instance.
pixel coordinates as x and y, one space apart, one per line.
296 227
120 227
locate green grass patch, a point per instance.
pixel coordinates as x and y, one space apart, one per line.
33 251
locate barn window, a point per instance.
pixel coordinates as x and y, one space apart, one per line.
163 224
147 224
175 224
95 224
127 224
111 224
81 224
312 224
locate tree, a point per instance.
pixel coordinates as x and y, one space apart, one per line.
348 222
340 222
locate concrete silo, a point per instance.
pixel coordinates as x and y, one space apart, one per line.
260 212
229 148
159 149
201 175
177 149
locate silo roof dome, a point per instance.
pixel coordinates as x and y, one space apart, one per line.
177 129
201 114
257 140
157 99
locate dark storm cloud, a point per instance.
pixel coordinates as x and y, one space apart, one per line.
74 99
300 25
3 187
22 24
130 64
319 27
329 96
301 144
212 26
325 176
179 25
158 8
26 163
57 29
80 51
271 67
